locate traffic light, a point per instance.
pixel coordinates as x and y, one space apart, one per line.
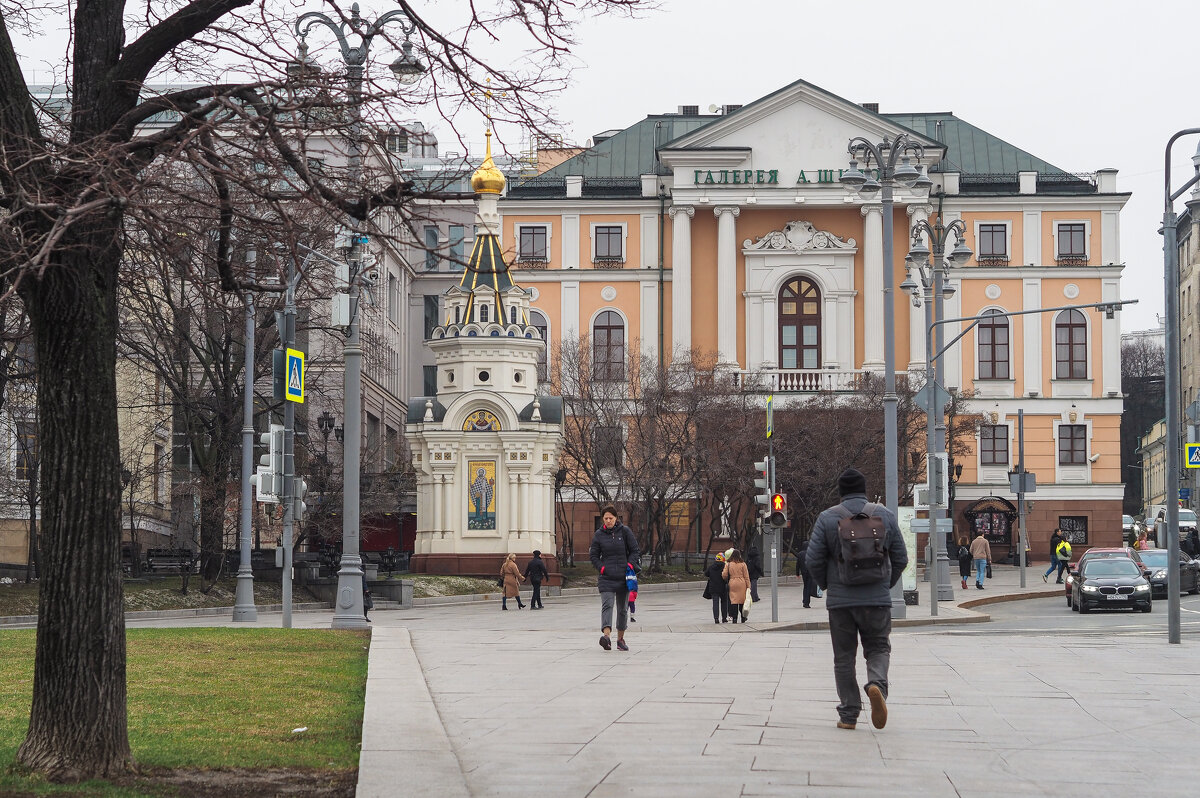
268 478
762 481
299 488
778 514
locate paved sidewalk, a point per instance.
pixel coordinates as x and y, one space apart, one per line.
511 703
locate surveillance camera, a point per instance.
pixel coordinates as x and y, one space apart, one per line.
1093 458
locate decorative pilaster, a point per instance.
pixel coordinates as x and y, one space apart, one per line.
872 287
681 277
727 282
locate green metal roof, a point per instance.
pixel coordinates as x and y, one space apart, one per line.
971 150
629 153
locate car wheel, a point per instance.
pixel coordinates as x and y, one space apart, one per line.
1195 587
1147 608
1083 607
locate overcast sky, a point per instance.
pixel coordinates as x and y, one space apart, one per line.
1083 85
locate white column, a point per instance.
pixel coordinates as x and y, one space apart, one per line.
1110 341
872 288
435 524
831 336
648 302
569 323
525 525
769 306
916 316
681 276
727 282
570 241
649 238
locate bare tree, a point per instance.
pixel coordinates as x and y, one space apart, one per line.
78 172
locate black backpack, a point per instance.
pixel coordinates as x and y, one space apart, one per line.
862 556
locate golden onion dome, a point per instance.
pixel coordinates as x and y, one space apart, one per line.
488 179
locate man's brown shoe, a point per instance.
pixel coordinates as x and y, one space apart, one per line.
878 706
845 725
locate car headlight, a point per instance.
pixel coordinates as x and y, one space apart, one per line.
1141 588
1091 588
1159 575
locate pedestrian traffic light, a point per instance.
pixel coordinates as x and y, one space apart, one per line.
778 514
762 481
299 488
268 478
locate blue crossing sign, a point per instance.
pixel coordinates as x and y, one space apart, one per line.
294 388
1192 452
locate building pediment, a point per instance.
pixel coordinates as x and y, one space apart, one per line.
798 236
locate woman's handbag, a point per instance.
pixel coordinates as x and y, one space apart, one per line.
989 570
746 605
707 594
500 582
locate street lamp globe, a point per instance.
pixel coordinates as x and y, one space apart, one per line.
852 178
407 68
961 252
906 174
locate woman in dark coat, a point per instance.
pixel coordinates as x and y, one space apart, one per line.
613 549
964 561
718 589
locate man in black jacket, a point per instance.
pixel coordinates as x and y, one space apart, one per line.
535 572
857 610
614 547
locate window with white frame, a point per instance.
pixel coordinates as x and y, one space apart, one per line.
608 346
1072 444
431 246
160 474
25 451
608 243
1070 346
994 350
993 244
393 299
608 446
993 445
458 247
1070 244
533 243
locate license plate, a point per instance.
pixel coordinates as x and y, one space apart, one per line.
1116 598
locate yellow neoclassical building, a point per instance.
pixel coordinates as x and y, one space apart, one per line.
731 234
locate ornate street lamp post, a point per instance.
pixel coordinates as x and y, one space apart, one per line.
935 284
885 156
348 607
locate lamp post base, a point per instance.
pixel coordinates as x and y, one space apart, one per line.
348 610
243 603
945 590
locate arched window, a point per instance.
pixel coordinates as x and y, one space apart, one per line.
1070 346
993 346
800 325
537 320
608 346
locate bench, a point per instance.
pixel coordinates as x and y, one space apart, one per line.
180 560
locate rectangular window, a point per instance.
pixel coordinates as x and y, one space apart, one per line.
1074 529
393 299
1072 243
458 255
993 445
609 241
993 244
532 244
160 473
431 315
429 380
431 245
1072 444
608 446
25 461
371 455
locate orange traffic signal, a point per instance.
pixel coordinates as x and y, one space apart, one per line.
778 514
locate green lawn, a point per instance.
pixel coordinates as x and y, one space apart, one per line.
214 699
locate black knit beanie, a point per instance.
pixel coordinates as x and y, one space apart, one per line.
851 481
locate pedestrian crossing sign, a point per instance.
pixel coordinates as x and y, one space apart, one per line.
295 376
1192 450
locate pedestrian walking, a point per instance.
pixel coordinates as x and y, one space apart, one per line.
1055 562
717 590
737 575
613 548
981 555
1142 543
1193 540
1062 553
858 579
368 602
754 565
536 573
810 584
511 574
964 560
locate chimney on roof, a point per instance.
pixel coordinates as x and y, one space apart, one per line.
872 107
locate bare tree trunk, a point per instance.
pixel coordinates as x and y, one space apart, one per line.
78 717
